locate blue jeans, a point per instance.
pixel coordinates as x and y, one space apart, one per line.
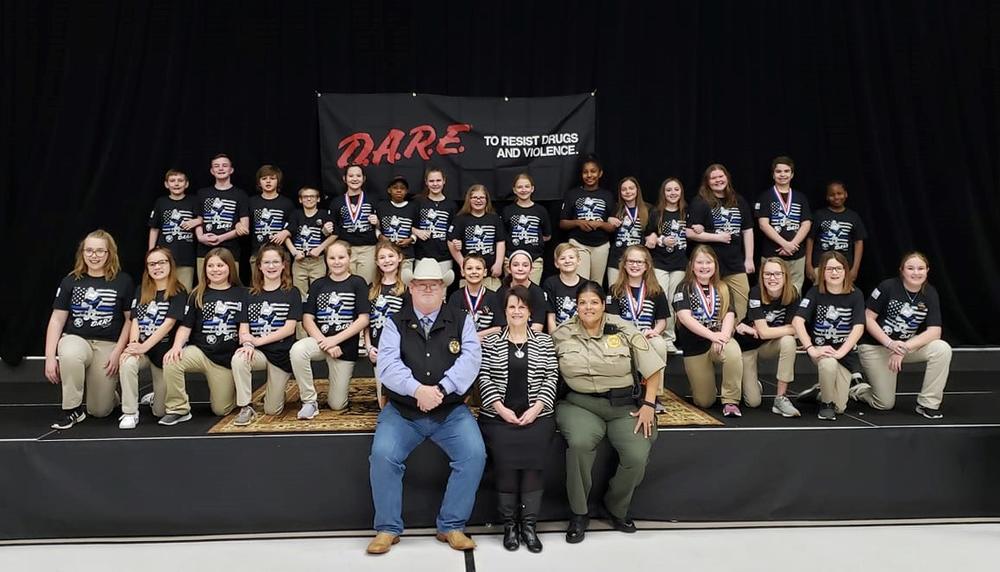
396 437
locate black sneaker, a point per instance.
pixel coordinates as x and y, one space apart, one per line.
69 418
827 412
929 413
810 395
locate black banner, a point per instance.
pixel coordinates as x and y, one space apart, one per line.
474 140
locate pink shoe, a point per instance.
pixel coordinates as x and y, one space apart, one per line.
731 410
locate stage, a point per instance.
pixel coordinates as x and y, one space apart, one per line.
95 481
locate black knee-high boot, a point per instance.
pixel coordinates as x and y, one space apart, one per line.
530 507
508 511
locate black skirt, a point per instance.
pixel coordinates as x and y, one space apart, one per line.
515 447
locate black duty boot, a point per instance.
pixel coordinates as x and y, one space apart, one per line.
508 511
530 507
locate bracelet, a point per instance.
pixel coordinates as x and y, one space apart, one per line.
648 403
805 349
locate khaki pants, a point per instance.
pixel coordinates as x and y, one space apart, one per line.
784 348
593 260
221 387
669 281
201 268
875 362
302 355
363 262
739 287
406 271
129 374
185 275
700 371
834 383
81 368
584 421
536 270
796 271
307 271
277 379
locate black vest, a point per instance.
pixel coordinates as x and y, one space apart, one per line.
428 358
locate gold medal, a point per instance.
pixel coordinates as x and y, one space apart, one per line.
454 347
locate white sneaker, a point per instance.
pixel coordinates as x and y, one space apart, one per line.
860 391
783 406
147 399
309 410
128 421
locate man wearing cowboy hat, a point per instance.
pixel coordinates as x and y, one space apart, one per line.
428 358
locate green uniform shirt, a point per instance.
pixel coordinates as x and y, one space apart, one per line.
597 364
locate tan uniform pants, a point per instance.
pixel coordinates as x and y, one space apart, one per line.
307 271
784 349
277 379
81 369
185 275
406 271
221 387
129 374
593 260
700 371
363 262
739 287
302 355
669 281
834 383
875 362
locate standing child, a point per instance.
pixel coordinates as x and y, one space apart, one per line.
561 289
387 294
475 299
528 226
435 214
666 239
784 218
630 219
585 215
397 219
354 222
225 214
836 228
335 314
307 243
269 211
478 228
172 222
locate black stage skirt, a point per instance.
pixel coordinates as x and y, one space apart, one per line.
514 447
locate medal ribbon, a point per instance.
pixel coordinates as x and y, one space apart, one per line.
631 214
635 305
354 212
473 303
708 303
786 205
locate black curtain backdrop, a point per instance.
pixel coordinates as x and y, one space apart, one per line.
899 100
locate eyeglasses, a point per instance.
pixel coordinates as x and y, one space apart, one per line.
427 286
773 274
834 269
95 251
271 263
157 263
635 262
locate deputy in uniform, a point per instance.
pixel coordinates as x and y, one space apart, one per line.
594 352
428 357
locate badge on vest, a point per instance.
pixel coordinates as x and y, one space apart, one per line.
454 347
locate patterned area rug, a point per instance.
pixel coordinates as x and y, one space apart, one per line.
362 411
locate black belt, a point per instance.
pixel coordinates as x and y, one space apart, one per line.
617 396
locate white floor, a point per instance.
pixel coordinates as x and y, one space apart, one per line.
939 548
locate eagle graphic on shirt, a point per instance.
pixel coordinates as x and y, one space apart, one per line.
835 235
832 324
590 208
92 307
170 225
383 307
903 319
266 317
727 219
481 239
267 223
524 230
219 215
334 311
436 221
396 228
219 320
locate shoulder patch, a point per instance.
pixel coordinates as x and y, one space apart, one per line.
756 206
876 293
640 342
754 303
805 303
678 296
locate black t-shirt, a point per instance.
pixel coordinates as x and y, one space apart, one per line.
220 211
434 216
836 231
350 219
732 220
96 306
215 327
581 204
488 311
167 216
903 314
525 228
267 313
335 305
705 307
650 308
786 224
307 230
151 315
561 298
630 233
396 222
669 223
536 297
384 306
479 234
830 317
774 313
268 217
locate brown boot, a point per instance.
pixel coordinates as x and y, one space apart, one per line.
382 542
456 539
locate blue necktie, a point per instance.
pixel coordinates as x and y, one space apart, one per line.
427 323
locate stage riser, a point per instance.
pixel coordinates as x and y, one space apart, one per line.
68 489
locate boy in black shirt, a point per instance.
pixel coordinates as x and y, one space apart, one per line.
172 222
225 213
269 211
836 228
